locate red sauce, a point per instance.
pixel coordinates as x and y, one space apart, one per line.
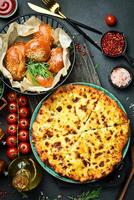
7 7
113 43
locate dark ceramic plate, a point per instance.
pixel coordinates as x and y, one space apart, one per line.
1 89
37 109
55 23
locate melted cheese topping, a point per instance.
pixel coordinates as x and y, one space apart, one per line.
80 133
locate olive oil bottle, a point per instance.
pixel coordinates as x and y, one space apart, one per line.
25 174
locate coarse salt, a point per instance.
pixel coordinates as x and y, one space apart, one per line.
120 77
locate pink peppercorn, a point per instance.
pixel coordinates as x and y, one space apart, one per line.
113 43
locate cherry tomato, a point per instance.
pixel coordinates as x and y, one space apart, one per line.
23 135
22 101
23 112
24 123
12 129
12 153
12 118
11 141
11 96
24 147
12 107
110 20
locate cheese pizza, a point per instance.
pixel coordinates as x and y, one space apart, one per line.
80 132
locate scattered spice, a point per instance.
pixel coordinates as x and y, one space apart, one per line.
131 105
113 43
127 98
93 194
81 49
2 194
120 77
43 197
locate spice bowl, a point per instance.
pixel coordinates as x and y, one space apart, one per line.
113 43
8 8
121 77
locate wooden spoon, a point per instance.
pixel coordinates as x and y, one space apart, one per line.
124 190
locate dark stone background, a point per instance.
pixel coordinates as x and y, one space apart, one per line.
90 12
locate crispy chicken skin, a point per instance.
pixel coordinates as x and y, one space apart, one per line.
38 49
45 82
45 30
15 61
56 60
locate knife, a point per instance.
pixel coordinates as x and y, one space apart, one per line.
42 10
45 11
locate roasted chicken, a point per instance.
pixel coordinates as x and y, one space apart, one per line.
36 59
38 49
45 30
15 60
56 60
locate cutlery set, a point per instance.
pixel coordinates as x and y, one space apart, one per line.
54 10
54 7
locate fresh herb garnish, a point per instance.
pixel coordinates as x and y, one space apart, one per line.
97 66
90 195
71 48
38 69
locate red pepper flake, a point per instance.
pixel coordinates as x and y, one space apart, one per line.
113 43
2 194
81 49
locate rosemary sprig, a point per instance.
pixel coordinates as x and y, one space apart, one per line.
90 195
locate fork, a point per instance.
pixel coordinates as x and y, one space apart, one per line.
54 7
124 190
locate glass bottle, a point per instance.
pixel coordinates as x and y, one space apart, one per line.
25 174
